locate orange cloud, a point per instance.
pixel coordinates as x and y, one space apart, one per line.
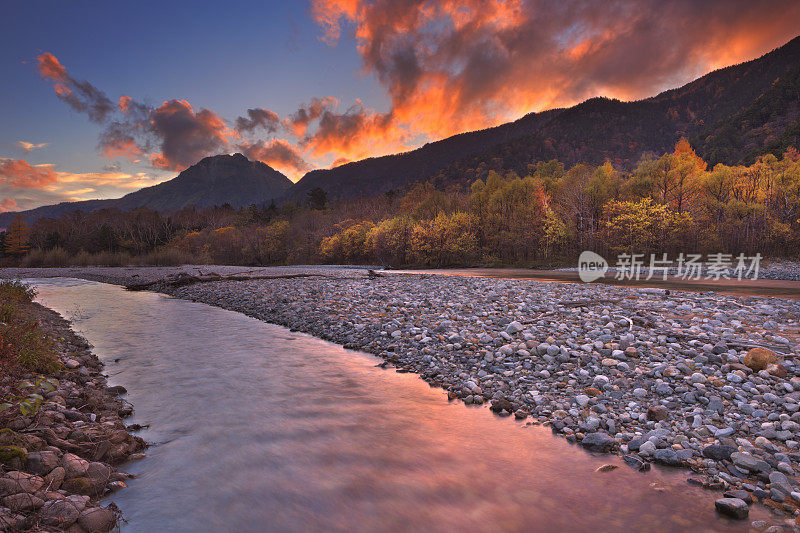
298 122
279 154
124 103
30 147
450 66
82 96
8 204
354 134
49 67
126 148
20 174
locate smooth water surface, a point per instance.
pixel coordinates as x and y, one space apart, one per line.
260 429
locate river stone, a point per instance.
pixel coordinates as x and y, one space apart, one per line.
74 466
636 462
743 460
719 452
656 413
55 478
473 387
16 482
514 327
60 513
741 494
598 442
502 405
22 502
666 456
117 390
97 519
663 389
42 462
582 400
647 447
733 507
759 358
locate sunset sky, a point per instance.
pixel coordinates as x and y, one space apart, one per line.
102 98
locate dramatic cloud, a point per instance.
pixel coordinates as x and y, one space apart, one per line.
279 154
299 120
354 134
258 118
20 174
8 204
81 96
452 66
29 147
186 136
447 66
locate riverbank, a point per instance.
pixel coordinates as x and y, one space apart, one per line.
63 436
649 376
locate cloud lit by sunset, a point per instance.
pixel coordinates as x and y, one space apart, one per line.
442 68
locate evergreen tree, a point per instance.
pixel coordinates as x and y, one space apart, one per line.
17 237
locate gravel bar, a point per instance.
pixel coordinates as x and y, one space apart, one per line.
702 381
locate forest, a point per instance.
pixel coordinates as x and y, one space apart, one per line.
668 204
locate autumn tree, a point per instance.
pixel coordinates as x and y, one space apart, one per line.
643 226
17 237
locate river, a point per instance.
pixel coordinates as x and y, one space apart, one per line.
256 428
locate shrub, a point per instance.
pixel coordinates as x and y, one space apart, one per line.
22 340
165 257
13 290
55 257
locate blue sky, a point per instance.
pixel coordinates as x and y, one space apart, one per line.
223 56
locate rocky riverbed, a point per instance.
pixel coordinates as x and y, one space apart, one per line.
702 381
59 452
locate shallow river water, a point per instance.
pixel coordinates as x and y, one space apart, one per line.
256 428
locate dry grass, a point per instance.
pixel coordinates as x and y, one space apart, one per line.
58 257
23 342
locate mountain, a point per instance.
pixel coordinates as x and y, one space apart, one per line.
731 116
217 180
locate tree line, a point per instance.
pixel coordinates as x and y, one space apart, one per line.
668 204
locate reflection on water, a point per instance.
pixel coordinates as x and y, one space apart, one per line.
260 429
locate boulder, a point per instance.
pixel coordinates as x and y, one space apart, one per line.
55 478
22 502
60 513
666 456
42 462
16 482
13 457
74 466
759 359
98 473
81 485
733 507
598 442
97 519
719 452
